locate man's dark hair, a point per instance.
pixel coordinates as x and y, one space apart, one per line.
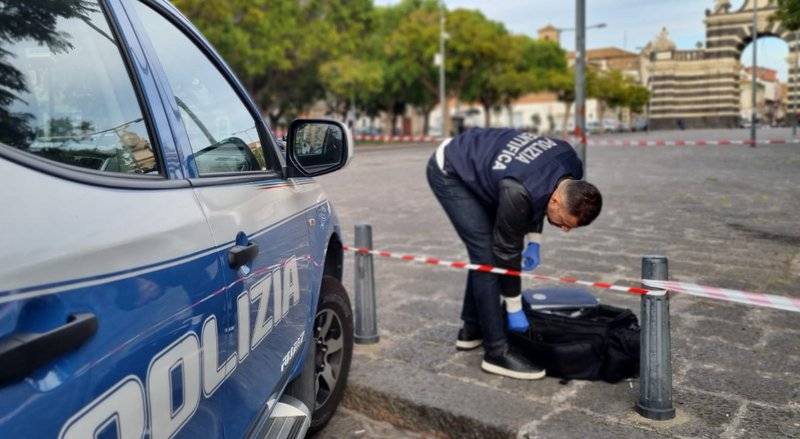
584 201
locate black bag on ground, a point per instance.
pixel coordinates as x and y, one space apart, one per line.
598 343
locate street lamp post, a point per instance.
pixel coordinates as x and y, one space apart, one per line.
440 60
580 77
572 29
793 84
580 80
753 117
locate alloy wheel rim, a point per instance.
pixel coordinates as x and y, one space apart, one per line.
329 344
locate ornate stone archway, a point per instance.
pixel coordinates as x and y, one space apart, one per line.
701 87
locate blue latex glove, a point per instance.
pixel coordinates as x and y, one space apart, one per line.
517 321
530 257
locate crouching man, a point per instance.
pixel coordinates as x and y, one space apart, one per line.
497 186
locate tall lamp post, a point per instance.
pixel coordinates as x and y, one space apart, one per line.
572 29
793 84
580 80
439 61
580 77
754 84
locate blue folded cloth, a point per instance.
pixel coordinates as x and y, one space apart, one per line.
559 298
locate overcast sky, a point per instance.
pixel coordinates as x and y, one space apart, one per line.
630 23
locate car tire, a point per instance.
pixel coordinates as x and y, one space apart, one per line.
333 351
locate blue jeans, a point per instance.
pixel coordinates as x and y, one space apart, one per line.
474 223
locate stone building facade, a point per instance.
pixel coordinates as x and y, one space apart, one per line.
701 88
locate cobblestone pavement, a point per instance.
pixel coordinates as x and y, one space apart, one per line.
725 216
348 424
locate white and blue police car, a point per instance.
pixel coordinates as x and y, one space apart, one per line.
166 269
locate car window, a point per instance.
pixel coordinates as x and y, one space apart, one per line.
221 131
65 93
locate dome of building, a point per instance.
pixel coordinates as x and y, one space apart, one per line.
722 6
662 43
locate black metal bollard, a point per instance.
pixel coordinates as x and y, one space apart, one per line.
655 368
366 322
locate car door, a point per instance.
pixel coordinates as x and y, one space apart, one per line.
109 277
258 218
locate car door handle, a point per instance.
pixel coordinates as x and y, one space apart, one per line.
242 254
22 353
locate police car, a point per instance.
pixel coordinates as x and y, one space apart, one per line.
166 269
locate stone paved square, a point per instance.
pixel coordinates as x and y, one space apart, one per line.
725 216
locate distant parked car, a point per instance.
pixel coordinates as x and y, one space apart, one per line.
594 127
369 131
639 124
614 126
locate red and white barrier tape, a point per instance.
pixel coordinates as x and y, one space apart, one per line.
386 138
383 138
601 142
490 269
721 142
592 142
744 297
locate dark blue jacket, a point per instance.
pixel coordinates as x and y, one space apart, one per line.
513 173
483 157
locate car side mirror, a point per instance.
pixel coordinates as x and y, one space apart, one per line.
318 146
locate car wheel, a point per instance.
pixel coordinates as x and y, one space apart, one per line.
333 346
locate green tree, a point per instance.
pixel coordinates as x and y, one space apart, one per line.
385 83
537 60
263 42
616 90
788 14
347 80
409 52
277 47
611 88
476 44
562 82
541 58
638 97
521 66
497 83
494 67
